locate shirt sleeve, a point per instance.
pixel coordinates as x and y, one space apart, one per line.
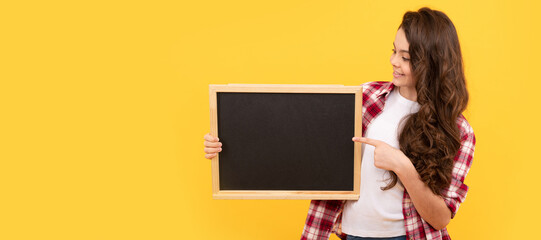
321 218
457 190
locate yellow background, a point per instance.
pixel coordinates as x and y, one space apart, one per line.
104 105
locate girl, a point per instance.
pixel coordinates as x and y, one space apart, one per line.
417 146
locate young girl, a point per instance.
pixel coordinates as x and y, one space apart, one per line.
417 146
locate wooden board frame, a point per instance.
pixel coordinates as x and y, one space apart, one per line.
286 194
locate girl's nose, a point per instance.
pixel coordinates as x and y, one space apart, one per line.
393 60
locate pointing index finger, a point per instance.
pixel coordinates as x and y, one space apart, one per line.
368 141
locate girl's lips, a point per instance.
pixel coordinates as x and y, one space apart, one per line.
396 75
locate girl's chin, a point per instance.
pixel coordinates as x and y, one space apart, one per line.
399 79
400 82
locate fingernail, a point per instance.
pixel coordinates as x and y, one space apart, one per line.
355 139
217 139
220 144
220 149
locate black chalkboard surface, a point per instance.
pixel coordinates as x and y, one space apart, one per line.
286 141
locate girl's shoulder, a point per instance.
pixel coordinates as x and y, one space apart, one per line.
376 84
376 87
466 130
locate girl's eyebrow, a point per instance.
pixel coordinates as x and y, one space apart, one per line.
401 50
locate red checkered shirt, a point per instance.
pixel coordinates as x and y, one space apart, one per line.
325 216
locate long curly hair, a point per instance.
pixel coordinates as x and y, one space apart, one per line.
431 137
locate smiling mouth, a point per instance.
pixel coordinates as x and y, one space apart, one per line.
397 74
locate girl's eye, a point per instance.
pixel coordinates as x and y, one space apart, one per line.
405 59
394 51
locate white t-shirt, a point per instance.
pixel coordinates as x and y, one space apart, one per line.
378 213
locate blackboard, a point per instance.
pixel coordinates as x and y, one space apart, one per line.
286 141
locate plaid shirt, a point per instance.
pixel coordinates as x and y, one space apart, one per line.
325 216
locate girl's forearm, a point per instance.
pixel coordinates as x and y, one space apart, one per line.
430 206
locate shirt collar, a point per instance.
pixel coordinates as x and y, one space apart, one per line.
385 90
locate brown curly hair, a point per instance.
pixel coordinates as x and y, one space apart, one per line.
430 138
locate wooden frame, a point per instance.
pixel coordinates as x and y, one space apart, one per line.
286 194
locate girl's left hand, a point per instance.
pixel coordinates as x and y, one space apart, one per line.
385 156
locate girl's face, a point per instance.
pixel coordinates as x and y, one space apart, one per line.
400 59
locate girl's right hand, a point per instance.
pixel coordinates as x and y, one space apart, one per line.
212 146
